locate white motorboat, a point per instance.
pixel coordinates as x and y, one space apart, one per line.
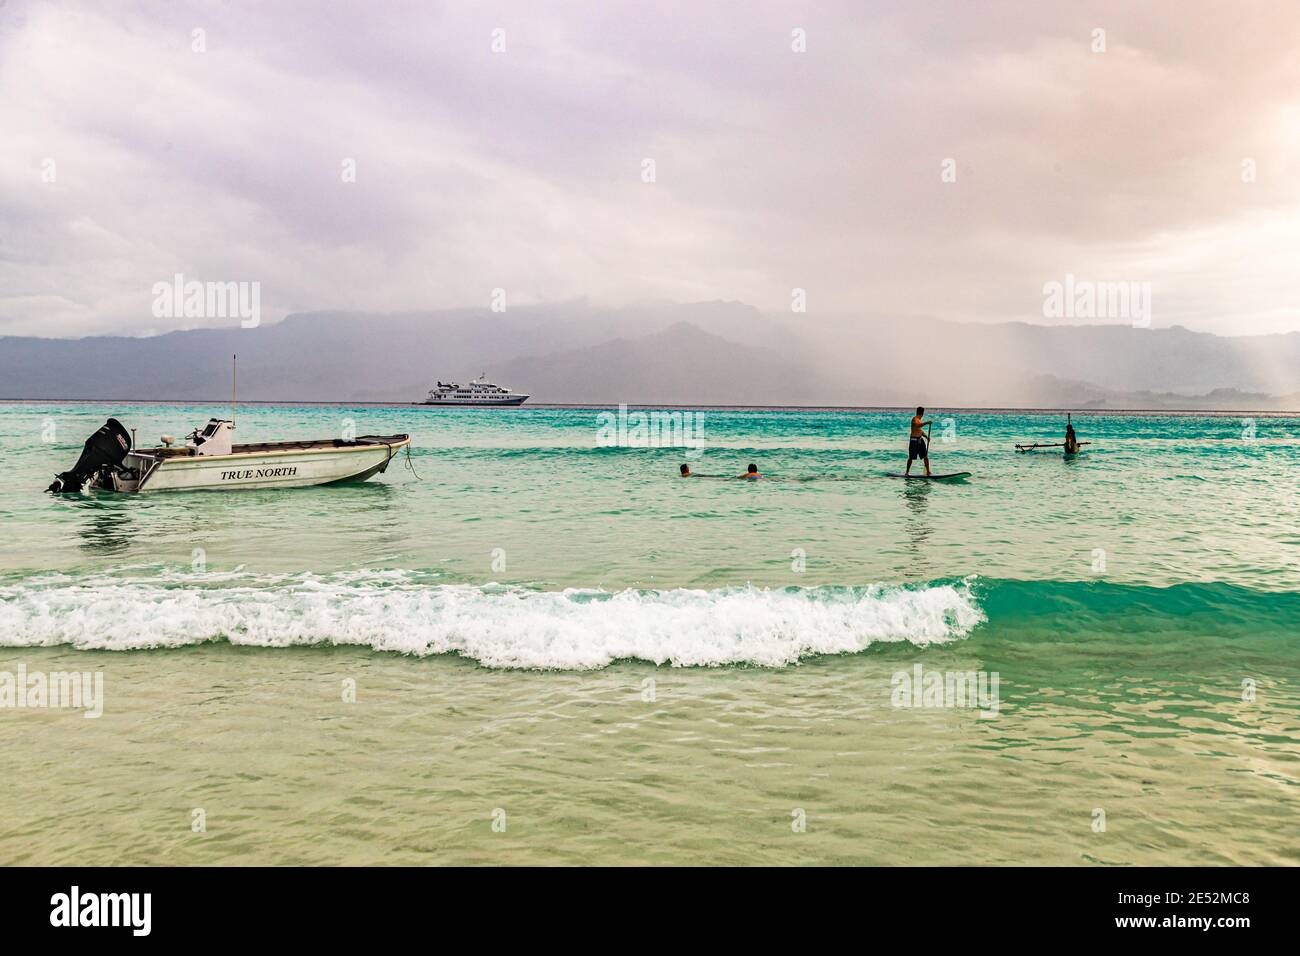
211 460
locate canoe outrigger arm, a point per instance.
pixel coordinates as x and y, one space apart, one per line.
1059 444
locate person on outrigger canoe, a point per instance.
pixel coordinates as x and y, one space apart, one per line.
916 447
1071 440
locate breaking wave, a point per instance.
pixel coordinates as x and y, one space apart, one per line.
497 626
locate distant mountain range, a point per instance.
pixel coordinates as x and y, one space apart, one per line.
690 354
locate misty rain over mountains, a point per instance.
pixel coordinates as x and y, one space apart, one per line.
689 354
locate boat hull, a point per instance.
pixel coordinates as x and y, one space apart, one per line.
276 468
513 400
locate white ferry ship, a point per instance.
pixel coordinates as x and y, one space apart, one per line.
477 392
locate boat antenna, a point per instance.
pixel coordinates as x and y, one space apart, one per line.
234 389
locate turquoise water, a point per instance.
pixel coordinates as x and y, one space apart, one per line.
507 594
1169 499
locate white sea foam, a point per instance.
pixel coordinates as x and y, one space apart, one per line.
497 626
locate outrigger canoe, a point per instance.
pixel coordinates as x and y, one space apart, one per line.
1059 444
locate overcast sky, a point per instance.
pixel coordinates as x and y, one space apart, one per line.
126 156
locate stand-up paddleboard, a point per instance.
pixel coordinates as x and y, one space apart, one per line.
953 475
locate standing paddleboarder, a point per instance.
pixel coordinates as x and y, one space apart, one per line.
916 445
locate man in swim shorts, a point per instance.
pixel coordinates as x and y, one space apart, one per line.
916 447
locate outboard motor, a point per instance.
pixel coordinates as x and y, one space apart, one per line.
108 446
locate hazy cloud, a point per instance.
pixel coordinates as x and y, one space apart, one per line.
775 169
